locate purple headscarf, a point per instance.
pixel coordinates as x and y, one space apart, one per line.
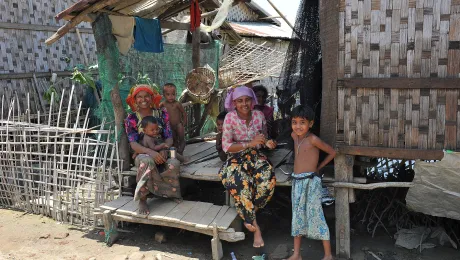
235 93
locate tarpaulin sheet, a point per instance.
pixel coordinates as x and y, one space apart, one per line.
437 187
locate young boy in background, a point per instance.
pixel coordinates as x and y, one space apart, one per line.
177 116
220 124
307 213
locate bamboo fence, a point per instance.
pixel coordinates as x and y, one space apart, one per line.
54 164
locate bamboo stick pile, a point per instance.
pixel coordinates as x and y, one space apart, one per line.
56 164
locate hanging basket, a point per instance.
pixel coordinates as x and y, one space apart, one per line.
200 84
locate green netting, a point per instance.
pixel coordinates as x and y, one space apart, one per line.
170 66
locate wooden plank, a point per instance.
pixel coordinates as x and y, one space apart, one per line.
403 83
194 149
329 35
208 217
175 25
221 213
129 208
394 153
196 213
29 75
226 235
160 208
202 154
176 214
150 203
226 219
116 204
38 27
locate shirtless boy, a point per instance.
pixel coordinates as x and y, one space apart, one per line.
177 116
307 213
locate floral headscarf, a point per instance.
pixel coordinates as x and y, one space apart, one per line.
235 93
131 99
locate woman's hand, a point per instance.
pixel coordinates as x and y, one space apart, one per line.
157 157
258 140
271 144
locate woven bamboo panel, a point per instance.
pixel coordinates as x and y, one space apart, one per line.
242 13
399 118
25 51
399 39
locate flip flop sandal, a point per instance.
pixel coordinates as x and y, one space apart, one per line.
259 257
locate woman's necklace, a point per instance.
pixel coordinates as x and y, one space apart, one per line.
298 144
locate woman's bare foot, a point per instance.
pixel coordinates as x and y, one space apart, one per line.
143 207
294 257
258 240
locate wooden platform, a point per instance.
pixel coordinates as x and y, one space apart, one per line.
205 163
194 216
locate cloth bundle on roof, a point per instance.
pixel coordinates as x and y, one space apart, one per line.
122 29
148 36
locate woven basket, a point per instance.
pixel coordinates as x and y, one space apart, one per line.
200 84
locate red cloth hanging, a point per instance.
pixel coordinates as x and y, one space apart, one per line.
195 15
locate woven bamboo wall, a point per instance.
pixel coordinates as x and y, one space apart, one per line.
24 27
383 39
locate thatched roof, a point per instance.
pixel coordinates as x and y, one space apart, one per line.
162 9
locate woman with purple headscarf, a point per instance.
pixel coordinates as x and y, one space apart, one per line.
247 174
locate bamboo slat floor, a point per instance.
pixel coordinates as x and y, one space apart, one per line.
195 216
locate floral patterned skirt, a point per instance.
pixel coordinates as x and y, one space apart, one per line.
250 180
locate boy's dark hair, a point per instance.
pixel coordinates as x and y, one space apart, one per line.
221 116
149 120
260 88
303 111
169 85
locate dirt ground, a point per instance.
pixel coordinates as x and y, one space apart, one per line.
26 236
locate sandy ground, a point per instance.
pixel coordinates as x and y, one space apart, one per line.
20 239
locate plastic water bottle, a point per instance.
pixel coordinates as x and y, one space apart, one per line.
233 256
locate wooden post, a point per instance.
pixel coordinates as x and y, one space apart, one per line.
108 55
216 245
196 40
343 166
110 228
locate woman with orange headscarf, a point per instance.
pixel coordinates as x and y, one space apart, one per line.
144 101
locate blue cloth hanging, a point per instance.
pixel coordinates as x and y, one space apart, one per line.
147 35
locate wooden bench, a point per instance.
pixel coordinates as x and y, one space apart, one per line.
195 216
205 164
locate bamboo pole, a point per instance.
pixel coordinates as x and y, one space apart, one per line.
282 16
